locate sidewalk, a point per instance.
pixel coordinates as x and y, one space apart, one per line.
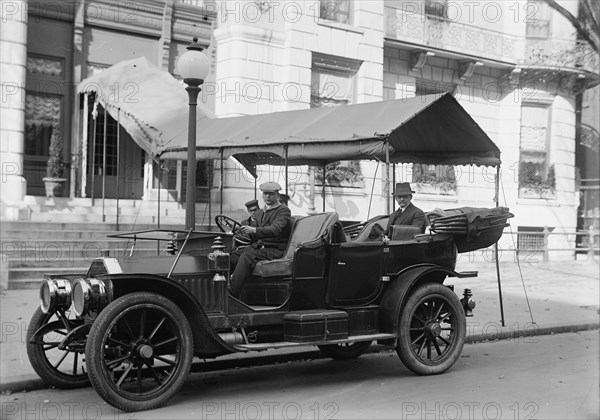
563 296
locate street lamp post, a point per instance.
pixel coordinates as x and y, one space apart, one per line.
193 66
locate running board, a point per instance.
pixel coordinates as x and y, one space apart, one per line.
284 344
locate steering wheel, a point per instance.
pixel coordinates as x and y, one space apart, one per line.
229 225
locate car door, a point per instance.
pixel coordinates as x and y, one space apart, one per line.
355 273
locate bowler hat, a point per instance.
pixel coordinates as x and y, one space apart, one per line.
251 203
403 188
270 187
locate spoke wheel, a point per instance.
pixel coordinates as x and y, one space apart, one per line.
345 351
432 330
57 367
229 225
139 351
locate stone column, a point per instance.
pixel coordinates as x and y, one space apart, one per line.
13 61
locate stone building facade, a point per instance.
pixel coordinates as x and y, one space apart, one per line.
515 66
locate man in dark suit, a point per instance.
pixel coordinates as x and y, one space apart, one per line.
407 213
269 237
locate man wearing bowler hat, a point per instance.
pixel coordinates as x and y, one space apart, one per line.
269 237
407 213
251 208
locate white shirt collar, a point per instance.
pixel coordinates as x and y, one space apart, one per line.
274 206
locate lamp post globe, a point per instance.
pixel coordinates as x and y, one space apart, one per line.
193 66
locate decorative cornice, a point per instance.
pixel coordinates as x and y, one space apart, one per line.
249 33
467 67
419 58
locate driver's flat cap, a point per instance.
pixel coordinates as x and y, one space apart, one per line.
251 203
270 187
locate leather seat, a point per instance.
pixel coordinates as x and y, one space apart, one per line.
363 235
307 231
404 232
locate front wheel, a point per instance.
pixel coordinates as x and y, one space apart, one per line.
139 351
345 351
432 330
57 366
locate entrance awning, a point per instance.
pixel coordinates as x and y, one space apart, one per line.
151 105
429 129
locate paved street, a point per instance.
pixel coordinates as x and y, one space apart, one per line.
552 376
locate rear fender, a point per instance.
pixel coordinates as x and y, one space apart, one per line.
206 341
399 289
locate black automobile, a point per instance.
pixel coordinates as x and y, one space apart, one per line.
131 325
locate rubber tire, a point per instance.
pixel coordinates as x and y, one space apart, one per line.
342 352
101 378
407 356
40 363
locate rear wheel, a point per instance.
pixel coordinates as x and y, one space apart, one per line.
139 351
62 368
345 351
432 330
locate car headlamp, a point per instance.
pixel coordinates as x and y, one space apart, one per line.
55 294
89 295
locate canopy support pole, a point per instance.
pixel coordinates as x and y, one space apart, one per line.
84 144
210 165
311 183
158 204
119 161
497 199
285 148
104 166
394 184
323 188
386 188
94 127
221 182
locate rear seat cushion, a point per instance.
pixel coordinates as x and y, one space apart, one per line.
404 232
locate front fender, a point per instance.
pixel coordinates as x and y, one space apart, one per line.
398 290
206 341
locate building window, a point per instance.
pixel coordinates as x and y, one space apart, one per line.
333 85
530 240
45 66
537 19
535 172
335 10
437 9
440 177
109 168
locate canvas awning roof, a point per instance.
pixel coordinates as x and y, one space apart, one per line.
429 129
151 105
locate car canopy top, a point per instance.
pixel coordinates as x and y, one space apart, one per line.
430 129
150 104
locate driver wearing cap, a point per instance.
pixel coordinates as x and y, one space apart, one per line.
251 208
269 237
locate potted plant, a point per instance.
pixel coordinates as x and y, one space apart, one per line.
55 168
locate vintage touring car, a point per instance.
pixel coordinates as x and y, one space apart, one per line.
131 326
138 322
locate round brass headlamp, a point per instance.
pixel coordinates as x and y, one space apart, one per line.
55 294
89 295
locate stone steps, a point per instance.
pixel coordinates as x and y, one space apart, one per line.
65 234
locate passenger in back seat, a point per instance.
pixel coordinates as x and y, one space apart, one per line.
407 213
269 237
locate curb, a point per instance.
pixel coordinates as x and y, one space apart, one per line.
534 330
34 383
